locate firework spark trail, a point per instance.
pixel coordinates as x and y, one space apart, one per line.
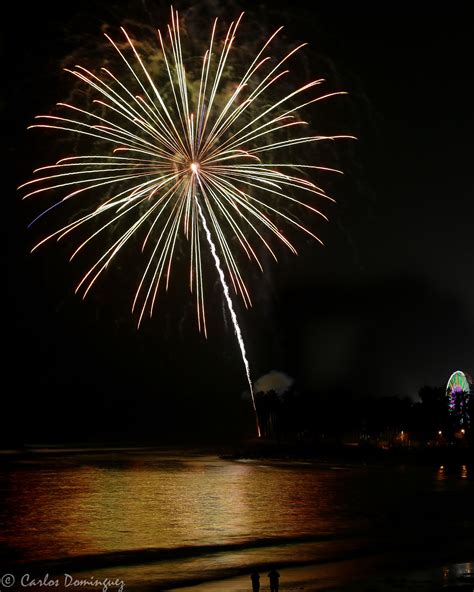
143 177
161 138
230 306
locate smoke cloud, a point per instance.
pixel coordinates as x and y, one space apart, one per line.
273 381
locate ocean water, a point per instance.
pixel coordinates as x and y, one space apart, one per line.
161 519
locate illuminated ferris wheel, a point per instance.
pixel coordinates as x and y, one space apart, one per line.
459 390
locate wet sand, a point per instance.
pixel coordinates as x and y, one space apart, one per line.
382 573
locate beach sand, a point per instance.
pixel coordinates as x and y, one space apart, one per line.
361 575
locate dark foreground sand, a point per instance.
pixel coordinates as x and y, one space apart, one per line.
366 575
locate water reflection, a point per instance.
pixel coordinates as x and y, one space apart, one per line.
103 507
458 572
445 472
249 512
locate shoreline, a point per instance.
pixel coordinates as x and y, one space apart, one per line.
354 454
409 529
356 575
258 450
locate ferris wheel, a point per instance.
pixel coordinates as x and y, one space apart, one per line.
458 391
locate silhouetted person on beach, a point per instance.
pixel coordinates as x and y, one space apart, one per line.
255 577
274 578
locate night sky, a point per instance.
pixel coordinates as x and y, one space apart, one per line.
384 308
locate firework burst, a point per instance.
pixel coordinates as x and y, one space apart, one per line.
160 145
191 153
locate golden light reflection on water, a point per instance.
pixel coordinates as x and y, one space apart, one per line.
458 572
122 510
446 472
94 507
